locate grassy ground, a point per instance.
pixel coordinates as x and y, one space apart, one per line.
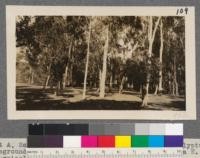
35 98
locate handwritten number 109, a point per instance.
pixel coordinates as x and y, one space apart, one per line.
182 11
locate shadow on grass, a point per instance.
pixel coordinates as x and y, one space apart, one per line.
32 94
131 93
173 105
178 104
82 105
38 99
66 95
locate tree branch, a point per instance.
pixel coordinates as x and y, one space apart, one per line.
156 26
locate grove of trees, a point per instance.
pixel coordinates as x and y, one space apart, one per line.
107 53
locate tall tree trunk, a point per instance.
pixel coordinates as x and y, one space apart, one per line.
141 88
177 92
111 83
57 92
30 78
87 62
156 90
64 81
173 88
121 85
151 37
103 78
70 67
100 76
169 83
175 83
65 75
145 93
46 83
69 78
111 75
160 88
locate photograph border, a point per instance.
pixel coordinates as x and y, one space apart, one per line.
13 11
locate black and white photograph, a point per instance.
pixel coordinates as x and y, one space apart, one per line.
101 63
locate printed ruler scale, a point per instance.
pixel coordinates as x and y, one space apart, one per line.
105 153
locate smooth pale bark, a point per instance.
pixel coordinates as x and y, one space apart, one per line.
69 80
46 82
169 83
103 76
98 90
87 63
122 85
175 82
111 75
160 88
156 90
150 28
151 37
145 95
70 67
65 75
152 34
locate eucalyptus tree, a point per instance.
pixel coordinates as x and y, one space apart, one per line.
87 60
99 50
104 68
160 84
151 36
96 51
